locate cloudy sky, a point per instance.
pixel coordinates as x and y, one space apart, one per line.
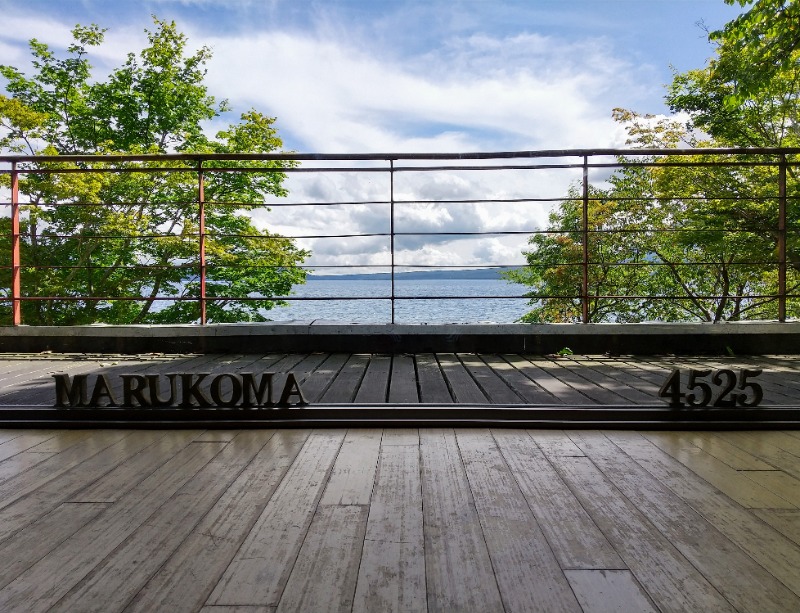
361 76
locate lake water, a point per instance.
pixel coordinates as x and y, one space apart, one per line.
377 309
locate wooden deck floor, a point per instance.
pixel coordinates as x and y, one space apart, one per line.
326 378
399 520
423 390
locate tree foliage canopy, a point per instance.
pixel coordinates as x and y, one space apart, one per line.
133 235
766 36
689 243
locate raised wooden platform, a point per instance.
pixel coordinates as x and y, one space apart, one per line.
443 389
399 520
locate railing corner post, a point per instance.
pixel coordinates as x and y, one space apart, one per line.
782 239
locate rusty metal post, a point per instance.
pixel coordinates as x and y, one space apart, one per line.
391 227
201 214
16 260
782 239
585 232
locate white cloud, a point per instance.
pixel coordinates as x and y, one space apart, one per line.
335 94
526 92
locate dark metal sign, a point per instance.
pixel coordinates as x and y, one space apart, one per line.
184 390
724 389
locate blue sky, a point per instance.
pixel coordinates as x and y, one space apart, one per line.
396 75
360 76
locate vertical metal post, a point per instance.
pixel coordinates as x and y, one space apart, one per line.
16 263
391 226
201 213
585 231
782 239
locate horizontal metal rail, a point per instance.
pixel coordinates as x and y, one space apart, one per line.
781 220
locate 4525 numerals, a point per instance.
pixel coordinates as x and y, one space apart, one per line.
725 388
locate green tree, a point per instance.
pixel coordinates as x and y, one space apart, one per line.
703 238
134 235
665 239
767 36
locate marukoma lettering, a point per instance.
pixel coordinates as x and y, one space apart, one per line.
184 390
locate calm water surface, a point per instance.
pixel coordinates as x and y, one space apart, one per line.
377 309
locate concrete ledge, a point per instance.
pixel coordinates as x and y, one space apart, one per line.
301 337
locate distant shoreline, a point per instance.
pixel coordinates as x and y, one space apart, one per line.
476 273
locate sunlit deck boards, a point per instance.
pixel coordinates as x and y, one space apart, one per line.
442 378
399 520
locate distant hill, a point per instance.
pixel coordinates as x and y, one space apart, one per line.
476 273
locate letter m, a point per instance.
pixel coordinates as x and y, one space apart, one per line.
70 394
262 393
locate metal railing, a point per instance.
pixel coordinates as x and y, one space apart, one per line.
419 183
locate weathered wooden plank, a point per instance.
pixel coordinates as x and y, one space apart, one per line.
652 371
41 586
670 579
528 390
316 382
33 379
457 565
301 366
25 370
234 609
21 462
461 384
609 591
757 539
614 380
24 442
526 570
400 436
28 546
374 386
37 503
217 436
396 506
431 381
353 473
185 580
7 435
392 572
723 477
742 581
259 570
324 576
345 386
391 578
785 521
733 456
492 385
117 579
777 482
403 383
766 442
572 372
531 367
636 374
130 468
555 442
574 537
77 446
